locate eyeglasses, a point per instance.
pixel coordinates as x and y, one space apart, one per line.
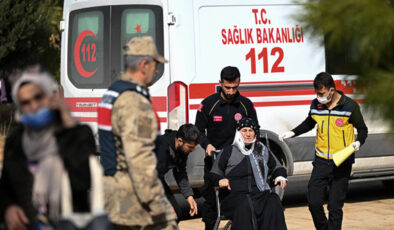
37 97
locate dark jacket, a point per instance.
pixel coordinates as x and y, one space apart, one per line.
219 118
168 158
228 165
16 184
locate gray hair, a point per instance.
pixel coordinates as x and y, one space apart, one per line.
132 62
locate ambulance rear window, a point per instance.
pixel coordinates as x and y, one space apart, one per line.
137 22
87 49
89 20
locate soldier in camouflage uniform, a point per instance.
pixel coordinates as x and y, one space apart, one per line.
134 195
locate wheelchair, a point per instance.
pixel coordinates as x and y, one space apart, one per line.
276 189
220 217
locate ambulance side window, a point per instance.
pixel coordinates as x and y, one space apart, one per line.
87 48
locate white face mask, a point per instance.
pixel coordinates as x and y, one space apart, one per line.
324 100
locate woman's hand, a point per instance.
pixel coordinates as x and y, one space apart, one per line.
208 151
57 103
282 182
15 218
223 183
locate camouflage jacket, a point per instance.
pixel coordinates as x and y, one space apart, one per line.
132 196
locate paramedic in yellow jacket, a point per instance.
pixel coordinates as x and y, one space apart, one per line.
336 116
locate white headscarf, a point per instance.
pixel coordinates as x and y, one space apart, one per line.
42 80
246 148
40 146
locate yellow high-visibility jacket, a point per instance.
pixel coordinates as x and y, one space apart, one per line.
335 127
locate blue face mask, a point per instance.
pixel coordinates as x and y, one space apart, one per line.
40 119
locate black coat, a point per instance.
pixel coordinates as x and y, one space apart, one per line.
245 204
168 158
16 184
217 119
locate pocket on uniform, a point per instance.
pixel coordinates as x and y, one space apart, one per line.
144 125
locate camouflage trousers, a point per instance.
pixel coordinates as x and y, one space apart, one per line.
171 225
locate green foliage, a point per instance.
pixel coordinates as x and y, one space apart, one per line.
29 34
365 30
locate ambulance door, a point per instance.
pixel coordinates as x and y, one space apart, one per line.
88 49
136 19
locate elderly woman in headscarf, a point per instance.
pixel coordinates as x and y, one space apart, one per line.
247 170
44 143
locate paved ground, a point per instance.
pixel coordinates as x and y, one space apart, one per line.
362 215
369 206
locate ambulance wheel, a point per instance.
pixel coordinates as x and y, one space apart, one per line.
279 149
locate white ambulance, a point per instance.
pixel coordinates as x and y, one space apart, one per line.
277 58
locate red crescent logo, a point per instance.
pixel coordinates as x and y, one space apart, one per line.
339 122
237 116
77 59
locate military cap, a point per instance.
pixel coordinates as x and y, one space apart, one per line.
143 46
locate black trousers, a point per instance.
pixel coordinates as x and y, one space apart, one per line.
327 177
209 209
175 205
172 200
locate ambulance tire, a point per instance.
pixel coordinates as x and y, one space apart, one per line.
280 149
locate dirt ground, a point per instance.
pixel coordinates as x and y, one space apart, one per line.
377 214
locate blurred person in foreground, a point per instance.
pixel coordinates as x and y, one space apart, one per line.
247 169
174 149
45 142
128 126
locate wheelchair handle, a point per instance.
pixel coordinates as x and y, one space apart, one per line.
215 153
